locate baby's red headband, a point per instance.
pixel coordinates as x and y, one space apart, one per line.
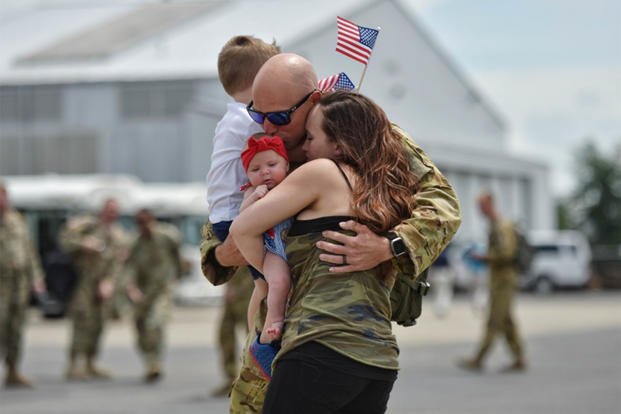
264 143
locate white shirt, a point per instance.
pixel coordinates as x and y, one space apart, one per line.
227 173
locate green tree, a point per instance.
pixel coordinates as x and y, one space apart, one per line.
597 198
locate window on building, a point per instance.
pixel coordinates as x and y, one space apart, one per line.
30 103
155 99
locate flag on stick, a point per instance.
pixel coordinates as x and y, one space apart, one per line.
338 82
355 42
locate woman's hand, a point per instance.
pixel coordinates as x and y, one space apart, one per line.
363 251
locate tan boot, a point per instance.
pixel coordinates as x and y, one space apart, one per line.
95 372
14 379
468 364
154 372
519 365
74 371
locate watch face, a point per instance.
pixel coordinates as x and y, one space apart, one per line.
398 246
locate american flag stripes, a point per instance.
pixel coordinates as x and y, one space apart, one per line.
355 42
338 82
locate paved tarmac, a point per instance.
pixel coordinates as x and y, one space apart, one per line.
573 344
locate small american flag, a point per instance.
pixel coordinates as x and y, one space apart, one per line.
338 82
355 42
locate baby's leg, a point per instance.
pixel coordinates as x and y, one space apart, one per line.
258 293
276 271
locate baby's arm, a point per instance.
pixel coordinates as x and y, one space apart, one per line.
252 194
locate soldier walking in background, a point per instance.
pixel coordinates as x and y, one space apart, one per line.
503 279
154 265
234 315
98 246
20 272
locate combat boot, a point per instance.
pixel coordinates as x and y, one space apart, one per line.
154 372
95 372
74 371
14 379
518 365
469 364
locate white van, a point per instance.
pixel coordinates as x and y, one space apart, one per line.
562 260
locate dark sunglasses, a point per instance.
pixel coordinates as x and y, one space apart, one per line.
278 118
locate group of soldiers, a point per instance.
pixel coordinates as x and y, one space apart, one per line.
107 260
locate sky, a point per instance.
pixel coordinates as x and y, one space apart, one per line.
552 68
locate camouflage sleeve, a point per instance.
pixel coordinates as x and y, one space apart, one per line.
212 270
435 217
71 236
36 270
502 244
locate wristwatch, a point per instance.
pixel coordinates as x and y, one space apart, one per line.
396 244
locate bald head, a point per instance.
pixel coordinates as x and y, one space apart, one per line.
285 71
281 83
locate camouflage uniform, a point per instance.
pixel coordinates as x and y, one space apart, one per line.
154 264
434 221
234 314
87 310
503 279
19 269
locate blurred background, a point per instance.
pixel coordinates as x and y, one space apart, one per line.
121 97
103 98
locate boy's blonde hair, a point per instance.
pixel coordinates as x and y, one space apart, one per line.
240 59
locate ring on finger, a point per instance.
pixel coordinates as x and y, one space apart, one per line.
344 260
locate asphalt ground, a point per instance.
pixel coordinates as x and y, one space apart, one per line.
573 344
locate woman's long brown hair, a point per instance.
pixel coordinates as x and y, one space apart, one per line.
383 195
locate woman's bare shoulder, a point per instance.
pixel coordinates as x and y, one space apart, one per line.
317 167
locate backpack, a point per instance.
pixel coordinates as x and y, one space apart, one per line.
524 252
406 298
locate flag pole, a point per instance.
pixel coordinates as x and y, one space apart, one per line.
365 67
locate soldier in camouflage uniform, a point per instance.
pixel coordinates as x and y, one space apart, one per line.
234 315
503 280
98 246
154 265
20 271
435 217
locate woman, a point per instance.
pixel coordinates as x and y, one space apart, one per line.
338 353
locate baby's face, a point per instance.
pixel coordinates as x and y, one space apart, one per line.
267 167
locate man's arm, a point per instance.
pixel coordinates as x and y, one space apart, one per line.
435 219
218 260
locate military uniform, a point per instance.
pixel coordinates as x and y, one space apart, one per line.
154 265
434 221
19 269
87 309
503 280
234 314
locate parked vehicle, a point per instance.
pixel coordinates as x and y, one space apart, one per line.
562 260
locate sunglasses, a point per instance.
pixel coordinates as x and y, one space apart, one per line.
278 118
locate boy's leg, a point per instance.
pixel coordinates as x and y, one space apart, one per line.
276 271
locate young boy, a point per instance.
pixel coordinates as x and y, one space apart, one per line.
238 62
266 163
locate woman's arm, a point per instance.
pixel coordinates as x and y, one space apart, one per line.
298 191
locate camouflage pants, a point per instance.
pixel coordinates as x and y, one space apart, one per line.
249 388
88 318
150 322
233 316
501 321
13 307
